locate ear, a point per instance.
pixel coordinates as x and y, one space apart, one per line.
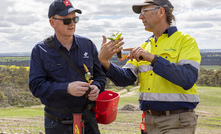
161 12
52 22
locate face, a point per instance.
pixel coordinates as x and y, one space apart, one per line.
149 17
60 28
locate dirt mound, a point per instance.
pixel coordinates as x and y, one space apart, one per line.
129 107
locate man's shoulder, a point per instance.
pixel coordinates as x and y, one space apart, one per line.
41 46
182 34
84 42
81 38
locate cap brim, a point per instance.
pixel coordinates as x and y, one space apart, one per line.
68 11
137 8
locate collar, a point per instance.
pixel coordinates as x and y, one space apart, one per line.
58 44
170 31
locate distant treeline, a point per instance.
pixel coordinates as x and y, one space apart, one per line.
211 58
208 58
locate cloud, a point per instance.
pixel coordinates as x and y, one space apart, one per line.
206 3
24 22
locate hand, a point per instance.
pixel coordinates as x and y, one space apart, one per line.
108 49
77 88
137 52
92 96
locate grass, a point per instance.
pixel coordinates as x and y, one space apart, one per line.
21 112
209 110
17 120
214 67
7 59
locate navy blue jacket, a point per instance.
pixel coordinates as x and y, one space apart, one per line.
50 73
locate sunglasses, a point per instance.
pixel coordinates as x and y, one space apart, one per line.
144 10
69 20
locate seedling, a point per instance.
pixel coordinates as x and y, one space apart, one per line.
116 37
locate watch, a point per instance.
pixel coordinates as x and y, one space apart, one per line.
154 60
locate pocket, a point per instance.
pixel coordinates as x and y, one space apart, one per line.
171 56
188 119
55 71
51 67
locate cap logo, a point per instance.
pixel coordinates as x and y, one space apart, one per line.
67 3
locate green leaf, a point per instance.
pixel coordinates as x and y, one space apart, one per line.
111 39
118 37
87 77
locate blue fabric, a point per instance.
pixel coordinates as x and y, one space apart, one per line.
164 106
120 77
50 73
56 127
183 75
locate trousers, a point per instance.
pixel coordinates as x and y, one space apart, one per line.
56 127
182 123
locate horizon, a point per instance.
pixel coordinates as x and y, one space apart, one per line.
29 53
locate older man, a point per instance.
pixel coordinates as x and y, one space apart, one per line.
166 64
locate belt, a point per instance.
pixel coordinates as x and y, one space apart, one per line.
71 110
170 112
62 120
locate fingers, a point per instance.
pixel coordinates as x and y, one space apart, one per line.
135 53
77 88
128 49
116 43
104 40
116 46
94 93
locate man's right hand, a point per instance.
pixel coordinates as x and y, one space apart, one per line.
108 49
77 88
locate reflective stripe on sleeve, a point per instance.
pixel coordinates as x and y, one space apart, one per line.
193 63
132 68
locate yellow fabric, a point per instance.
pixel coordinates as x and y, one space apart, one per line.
177 47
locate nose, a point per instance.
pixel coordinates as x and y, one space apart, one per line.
72 22
141 16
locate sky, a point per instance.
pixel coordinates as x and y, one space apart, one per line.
24 23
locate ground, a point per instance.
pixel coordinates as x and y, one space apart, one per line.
127 122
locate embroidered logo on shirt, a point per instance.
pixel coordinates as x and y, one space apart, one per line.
171 49
86 55
67 3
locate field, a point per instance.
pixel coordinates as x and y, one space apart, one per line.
7 59
211 67
21 120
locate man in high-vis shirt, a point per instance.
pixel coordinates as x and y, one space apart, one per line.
167 67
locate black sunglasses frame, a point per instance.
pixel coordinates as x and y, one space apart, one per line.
69 20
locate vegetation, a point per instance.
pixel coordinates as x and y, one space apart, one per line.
14 89
31 119
209 77
18 61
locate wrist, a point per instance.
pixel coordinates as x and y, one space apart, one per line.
106 64
154 60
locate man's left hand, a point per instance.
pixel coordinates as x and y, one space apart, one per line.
137 52
92 96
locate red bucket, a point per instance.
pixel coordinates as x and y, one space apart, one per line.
106 107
